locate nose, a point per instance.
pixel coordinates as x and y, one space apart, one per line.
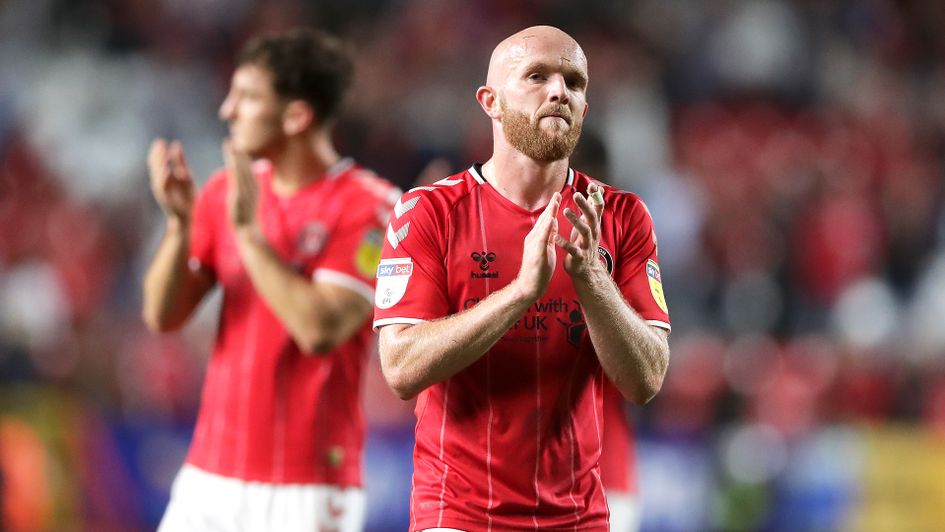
227 108
558 89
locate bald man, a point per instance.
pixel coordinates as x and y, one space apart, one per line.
506 328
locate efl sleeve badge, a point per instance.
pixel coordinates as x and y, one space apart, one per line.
656 283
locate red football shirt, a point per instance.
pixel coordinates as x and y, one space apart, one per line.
269 413
513 440
618 453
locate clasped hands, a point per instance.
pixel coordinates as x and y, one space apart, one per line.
539 255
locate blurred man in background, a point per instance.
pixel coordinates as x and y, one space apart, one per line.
292 233
508 347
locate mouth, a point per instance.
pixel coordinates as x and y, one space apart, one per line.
556 115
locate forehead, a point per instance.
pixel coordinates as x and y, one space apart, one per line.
252 76
545 50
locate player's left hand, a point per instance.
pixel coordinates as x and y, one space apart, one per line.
243 194
582 258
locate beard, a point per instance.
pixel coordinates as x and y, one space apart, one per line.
535 142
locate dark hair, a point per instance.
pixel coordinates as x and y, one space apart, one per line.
307 65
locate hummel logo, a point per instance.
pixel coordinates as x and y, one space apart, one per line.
401 208
395 238
483 258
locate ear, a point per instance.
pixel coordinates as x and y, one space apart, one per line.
297 117
489 101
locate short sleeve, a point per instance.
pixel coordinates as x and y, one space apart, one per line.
353 250
637 269
411 276
202 229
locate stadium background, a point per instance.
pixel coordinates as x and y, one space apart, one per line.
791 154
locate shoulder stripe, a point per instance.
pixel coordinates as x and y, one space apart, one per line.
396 237
448 182
402 208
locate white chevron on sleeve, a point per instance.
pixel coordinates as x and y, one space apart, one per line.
448 182
401 208
395 238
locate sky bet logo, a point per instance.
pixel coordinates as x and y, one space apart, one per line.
394 269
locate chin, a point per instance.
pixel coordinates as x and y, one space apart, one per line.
556 129
254 152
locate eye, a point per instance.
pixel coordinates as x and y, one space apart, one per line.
536 76
576 82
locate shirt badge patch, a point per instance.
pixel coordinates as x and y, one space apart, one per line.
392 277
368 254
606 258
656 283
312 239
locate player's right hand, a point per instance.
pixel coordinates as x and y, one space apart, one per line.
171 181
538 253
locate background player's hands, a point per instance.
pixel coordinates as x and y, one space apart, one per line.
171 181
582 258
243 194
539 254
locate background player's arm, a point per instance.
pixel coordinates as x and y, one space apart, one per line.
318 316
171 289
414 357
634 354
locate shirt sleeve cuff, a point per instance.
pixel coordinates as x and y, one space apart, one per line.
390 321
660 324
350 282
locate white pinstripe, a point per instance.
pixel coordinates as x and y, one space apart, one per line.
600 444
485 246
413 478
278 433
538 422
600 375
219 419
446 468
577 516
246 368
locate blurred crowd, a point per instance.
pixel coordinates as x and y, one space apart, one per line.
791 153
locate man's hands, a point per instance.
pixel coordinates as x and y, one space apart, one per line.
174 189
171 181
539 255
172 290
582 259
243 196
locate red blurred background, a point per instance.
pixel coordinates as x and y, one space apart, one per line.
791 153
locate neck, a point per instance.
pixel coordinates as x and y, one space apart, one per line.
303 160
524 181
